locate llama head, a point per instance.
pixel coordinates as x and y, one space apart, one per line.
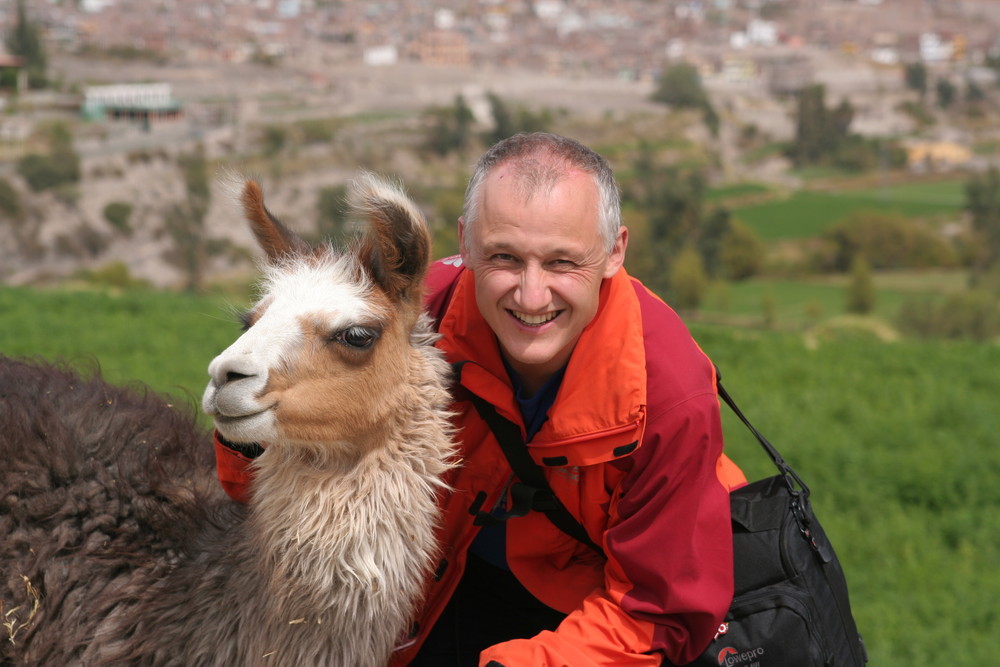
327 347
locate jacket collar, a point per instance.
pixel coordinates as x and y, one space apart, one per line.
599 412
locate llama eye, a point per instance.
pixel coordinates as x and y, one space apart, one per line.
245 321
360 338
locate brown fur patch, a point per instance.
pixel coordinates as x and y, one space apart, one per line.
331 393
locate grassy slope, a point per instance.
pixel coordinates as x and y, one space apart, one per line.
162 339
807 213
896 441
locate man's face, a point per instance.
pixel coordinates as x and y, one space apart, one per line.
538 266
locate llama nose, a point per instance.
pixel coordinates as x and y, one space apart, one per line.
228 368
233 376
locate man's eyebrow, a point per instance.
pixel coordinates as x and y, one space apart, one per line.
508 248
497 246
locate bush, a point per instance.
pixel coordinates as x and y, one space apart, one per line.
114 274
861 288
10 201
688 279
743 252
972 314
117 213
44 172
887 241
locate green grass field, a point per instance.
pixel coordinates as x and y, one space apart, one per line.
806 302
896 441
808 213
162 339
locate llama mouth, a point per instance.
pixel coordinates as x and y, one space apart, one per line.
534 320
243 447
245 429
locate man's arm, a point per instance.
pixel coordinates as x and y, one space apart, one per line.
669 579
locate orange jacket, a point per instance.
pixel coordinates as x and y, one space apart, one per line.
633 449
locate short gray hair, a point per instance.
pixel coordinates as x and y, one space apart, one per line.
542 159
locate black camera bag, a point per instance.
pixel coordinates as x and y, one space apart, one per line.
791 605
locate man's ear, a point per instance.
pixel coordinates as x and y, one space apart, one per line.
617 255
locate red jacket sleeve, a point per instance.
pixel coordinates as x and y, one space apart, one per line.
233 470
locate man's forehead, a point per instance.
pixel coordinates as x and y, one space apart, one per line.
533 174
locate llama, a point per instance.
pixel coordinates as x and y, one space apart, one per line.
117 545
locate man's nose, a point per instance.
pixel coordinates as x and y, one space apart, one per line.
533 291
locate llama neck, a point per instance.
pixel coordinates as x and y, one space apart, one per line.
354 530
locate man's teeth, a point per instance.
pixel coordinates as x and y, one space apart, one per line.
534 320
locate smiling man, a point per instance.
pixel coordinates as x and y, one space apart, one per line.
614 400
538 257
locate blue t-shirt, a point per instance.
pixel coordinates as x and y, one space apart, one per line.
490 543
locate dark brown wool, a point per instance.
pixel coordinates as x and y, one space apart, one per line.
103 491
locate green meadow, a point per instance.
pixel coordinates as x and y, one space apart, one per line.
162 339
805 302
895 439
809 212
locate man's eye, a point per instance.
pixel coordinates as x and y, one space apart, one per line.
359 338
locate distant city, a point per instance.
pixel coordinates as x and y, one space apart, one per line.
624 38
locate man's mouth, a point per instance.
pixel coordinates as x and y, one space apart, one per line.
534 320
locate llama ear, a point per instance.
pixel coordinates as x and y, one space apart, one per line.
396 248
274 238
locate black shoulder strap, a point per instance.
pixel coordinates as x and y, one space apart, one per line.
794 482
533 491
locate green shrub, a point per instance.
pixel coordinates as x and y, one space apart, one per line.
887 241
688 279
10 200
861 288
118 213
114 274
973 314
44 172
743 253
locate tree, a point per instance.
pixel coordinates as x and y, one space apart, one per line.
24 40
450 127
743 252
713 230
507 122
946 93
916 78
185 222
819 132
117 213
503 121
59 166
861 288
10 201
680 86
688 280
887 240
982 201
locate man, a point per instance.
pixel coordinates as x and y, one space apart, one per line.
615 401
